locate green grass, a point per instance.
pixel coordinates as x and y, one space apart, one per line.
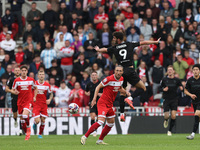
116 142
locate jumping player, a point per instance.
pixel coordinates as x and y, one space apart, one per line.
23 87
170 85
192 89
123 52
40 105
89 91
111 84
14 97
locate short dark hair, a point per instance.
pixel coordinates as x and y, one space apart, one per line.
54 61
62 82
20 47
33 3
24 67
196 65
41 66
119 35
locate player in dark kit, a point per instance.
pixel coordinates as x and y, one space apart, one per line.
170 85
123 52
14 98
192 89
89 91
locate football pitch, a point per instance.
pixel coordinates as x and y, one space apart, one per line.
116 142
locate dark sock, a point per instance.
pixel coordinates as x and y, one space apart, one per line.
92 122
122 104
196 124
20 125
172 123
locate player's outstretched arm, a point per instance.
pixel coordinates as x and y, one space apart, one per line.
96 93
102 50
150 42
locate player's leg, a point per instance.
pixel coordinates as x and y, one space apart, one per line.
173 107
36 121
22 121
166 113
92 116
42 125
14 110
196 123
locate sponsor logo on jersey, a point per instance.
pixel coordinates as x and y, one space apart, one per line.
24 87
121 46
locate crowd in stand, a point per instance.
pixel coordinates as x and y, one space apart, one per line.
61 41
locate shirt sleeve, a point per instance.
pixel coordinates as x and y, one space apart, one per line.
105 82
14 86
87 87
110 49
49 89
135 44
188 86
162 83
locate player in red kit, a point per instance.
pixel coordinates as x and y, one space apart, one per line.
111 85
23 87
40 105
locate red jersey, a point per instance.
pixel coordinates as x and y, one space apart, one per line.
119 26
124 4
110 90
76 99
68 52
25 87
42 92
19 57
129 15
3 36
100 17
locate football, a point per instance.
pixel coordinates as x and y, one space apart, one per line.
73 108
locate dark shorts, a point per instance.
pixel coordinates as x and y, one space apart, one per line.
94 109
130 76
14 105
196 107
171 104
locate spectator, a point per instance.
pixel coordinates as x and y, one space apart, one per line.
138 20
68 78
74 23
190 34
76 95
46 39
123 5
3 33
170 45
96 68
142 8
6 61
2 70
129 13
182 42
156 73
63 10
89 47
66 34
71 82
79 67
62 21
58 45
34 66
28 55
175 31
58 68
80 33
148 15
162 53
189 17
106 73
119 25
47 55
196 27
33 17
54 74
2 91
42 68
77 43
143 70
16 9
162 30
155 28
146 30
100 60
155 10
8 19
8 74
136 61
188 59
50 19
180 66
104 36
189 73
100 18
93 11
29 41
197 16
167 11
29 31
62 95
176 16
19 56
197 42
54 88
85 80
39 31
8 45
145 56
32 75
132 25
133 36
194 53
112 15
79 11
66 55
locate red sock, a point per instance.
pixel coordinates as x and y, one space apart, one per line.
26 118
105 131
24 127
94 127
41 128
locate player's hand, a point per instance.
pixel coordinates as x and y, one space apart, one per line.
158 40
193 96
181 88
48 101
96 48
99 94
93 102
16 92
128 94
165 89
34 99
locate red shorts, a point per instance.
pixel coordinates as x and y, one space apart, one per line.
104 111
39 110
21 108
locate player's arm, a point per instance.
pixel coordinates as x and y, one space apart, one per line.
48 101
35 93
102 50
193 96
94 100
150 42
124 92
8 90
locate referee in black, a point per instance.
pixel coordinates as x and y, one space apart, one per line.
170 85
14 97
89 91
192 89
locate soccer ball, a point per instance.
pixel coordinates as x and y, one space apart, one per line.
73 108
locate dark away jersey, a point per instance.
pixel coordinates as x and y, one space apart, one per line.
91 87
9 84
124 53
173 85
193 86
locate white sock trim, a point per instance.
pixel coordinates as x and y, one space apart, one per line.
100 122
110 124
130 98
